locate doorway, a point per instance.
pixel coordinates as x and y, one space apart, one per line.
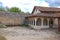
51 23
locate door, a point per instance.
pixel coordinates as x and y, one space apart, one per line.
51 23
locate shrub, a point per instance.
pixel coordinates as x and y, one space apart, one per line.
24 25
2 26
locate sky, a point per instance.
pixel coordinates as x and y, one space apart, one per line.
27 5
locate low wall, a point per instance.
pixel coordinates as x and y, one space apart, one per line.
38 27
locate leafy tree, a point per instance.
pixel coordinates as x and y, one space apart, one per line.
2 9
14 9
28 12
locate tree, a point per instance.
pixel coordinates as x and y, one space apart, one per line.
2 9
14 9
28 12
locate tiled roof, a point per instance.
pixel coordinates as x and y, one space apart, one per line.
45 15
46 12
47 8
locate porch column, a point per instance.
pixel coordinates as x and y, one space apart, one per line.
42 21
48 21
35 21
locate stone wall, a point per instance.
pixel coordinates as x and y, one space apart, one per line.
11 21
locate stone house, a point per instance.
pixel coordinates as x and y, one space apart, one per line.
44 17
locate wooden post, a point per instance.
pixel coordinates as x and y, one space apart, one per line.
42 21
35 21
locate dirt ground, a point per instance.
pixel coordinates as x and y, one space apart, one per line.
21 33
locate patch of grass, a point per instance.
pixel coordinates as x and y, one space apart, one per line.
24 25
2 26
2 38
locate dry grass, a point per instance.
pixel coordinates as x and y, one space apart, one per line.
2 38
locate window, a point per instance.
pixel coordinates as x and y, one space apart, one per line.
36 11
45 22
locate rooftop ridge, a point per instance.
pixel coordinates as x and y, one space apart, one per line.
48 7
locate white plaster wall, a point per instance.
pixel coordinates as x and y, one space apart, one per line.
55 23
44 27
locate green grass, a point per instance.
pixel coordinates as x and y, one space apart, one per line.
2 38
24 25
2 26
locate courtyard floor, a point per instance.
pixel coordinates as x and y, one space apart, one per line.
22 33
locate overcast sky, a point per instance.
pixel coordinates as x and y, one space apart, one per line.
27 5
